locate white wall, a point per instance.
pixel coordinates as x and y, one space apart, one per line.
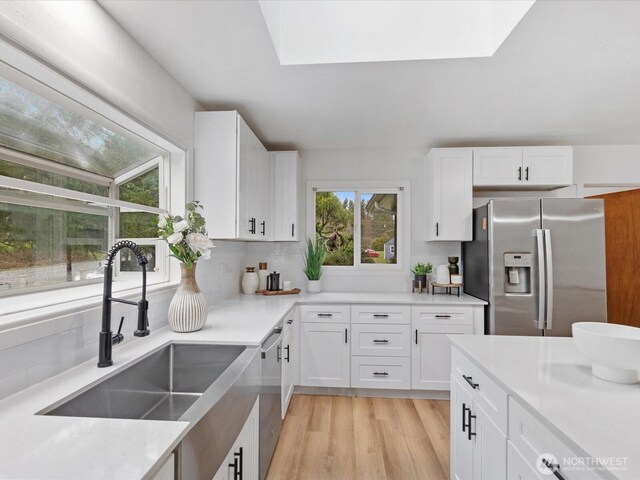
393 164
82 41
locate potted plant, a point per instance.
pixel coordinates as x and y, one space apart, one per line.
313 260
188 242
420 272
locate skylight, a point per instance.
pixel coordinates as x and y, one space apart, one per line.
323 31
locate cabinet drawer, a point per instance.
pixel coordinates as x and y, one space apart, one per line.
381 314
491 398
381 372
325 313
517 466
533 441
444 316
381 340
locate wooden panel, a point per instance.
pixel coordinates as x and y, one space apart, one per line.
622 234
363 438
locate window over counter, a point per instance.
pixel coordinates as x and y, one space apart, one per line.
72 182
361 224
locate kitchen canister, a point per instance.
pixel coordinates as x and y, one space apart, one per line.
442 274
250 281
262 276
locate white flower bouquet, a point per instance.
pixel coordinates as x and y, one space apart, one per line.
187 237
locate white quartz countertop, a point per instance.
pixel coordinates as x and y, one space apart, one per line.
595 418
48 447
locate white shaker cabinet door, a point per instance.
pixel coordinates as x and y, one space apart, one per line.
449 182
497 167
490 447
546 167
461 443
325 357
431 355
288 355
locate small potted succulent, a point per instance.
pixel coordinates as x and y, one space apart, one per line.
313 260
420 272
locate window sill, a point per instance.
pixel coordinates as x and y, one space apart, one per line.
31 308
360 271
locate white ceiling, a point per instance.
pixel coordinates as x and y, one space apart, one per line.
321 31
569 73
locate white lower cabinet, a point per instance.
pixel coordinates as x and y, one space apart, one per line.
325 357
431 350
517 466
242 459
288 358
478 447
168 469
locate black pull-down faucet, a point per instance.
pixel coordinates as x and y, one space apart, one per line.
107 338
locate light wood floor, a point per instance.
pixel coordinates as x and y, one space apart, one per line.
345 438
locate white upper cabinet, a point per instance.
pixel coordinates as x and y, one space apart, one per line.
449 183
285 172
232 178
497 167
523 167
547 166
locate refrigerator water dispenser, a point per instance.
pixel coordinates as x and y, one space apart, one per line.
517 273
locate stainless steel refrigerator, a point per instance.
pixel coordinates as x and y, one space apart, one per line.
539 263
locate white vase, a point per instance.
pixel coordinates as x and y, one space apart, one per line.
314 286
188 309
250 281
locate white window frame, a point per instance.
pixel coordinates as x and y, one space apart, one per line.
19 66
403 223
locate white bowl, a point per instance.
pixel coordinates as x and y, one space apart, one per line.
613 349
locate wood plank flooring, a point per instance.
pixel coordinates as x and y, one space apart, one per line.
348 438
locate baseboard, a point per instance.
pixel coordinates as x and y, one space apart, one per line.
373 392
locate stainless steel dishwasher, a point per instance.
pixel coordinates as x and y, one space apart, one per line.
270 397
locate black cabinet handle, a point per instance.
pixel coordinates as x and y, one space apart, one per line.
237 465
382 374
252 226
287 350
469 380
519 173
526 174
554 467
437 229
380 315
464 417
290 321
346 339
443 316
469 432
264 227
381 341
325 315
416 336
293 230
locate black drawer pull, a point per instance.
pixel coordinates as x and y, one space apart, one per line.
470 433
264 227
290 321
526 174
554 467
469 380
519 173
380 315
443 316
346 338
325 315
416 336
464 416
382 374
381 341
287 350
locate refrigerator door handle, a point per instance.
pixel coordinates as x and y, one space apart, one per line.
549 279
541 279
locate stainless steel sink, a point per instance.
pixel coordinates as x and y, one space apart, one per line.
161 386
